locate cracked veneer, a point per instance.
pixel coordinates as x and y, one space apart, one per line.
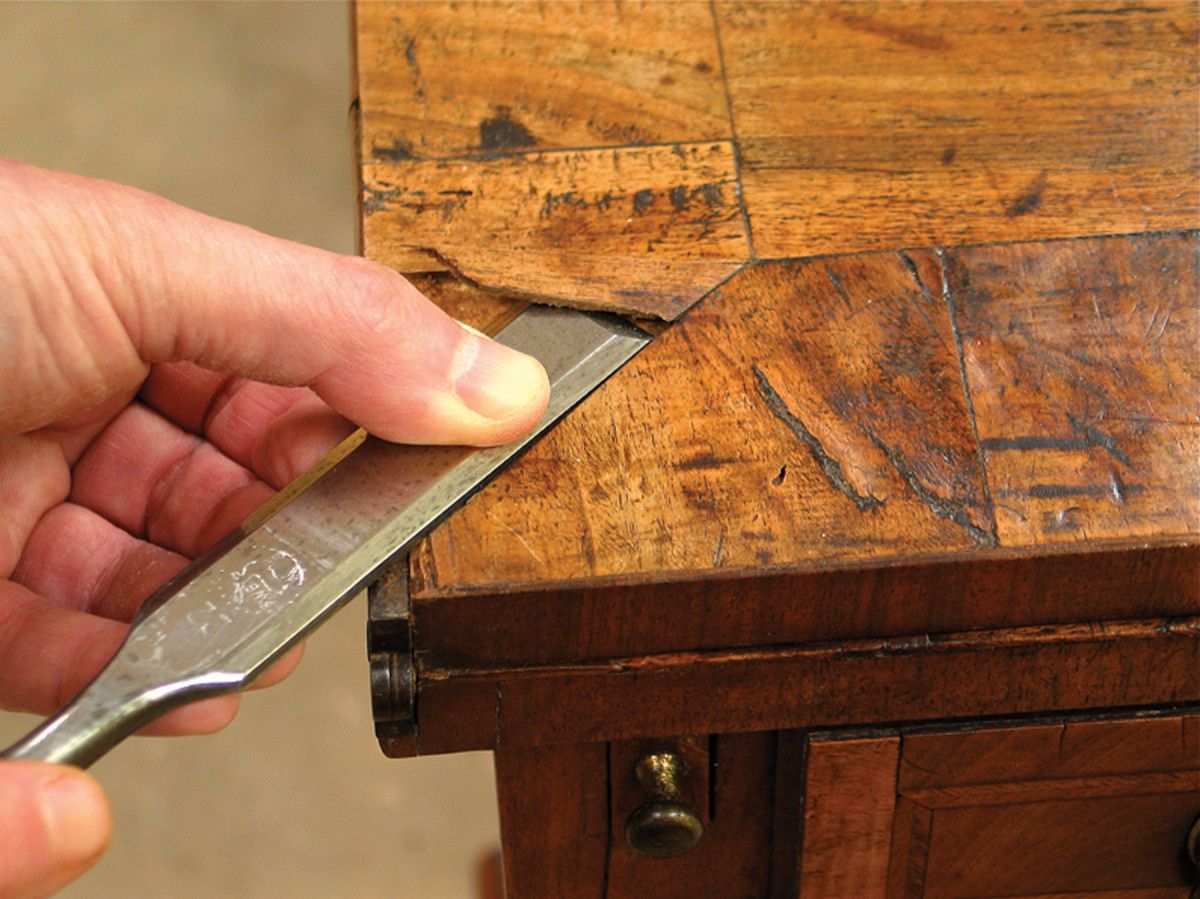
830 466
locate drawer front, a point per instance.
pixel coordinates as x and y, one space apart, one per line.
1086 808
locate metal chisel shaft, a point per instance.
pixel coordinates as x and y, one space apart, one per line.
236 609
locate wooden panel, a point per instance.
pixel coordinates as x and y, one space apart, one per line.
870 125
1050 752
460 104
1080 844
849 803
965 675
1046 809
806 414
858 126
829 425
554 820
522 627
1085 378
732 857
645 230
485 78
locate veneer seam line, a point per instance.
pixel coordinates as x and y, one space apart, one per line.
737 148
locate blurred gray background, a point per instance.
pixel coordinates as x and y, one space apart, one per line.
240 110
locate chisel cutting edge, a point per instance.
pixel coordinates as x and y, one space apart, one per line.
240 606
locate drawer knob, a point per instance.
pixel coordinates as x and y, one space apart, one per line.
663 826
1192 843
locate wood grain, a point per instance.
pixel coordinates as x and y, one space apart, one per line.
859 682
443 80
1050 751
871 125
849 804
1085 377
806 414
485 311
554 821
831 427
974 469
1036 809
847 127
513 625
645 230
462 110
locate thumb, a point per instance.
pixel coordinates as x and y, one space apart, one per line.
112 279
54 823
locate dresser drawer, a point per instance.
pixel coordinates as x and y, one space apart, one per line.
1086 808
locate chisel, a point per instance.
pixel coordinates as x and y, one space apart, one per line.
226 617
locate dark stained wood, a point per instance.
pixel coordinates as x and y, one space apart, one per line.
849 804
554 821
1084 370
648 230
732 857
1036 809
864 682
1050 752
909 849
560 623
870 125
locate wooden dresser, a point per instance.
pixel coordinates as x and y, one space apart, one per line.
880 567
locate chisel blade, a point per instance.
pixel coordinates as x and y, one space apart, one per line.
232 612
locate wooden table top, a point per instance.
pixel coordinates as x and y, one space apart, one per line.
936 280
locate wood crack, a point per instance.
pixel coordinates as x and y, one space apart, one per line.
737 149
830 466
991 536
954 510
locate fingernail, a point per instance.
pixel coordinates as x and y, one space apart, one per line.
494 381
77 818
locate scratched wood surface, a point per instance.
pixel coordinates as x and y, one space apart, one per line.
631 155
935 274
1084 371
646 230
871 125
865 409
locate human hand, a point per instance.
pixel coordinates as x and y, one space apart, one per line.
163 374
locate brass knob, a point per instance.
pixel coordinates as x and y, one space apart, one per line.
1192 843
663 826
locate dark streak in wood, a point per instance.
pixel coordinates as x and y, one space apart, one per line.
951 310
1030 199
950 509
829 466
1116 490
502 133
1092 438
410 55
837 285
900 34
